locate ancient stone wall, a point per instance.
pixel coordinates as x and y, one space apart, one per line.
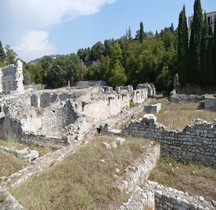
183 98
169 198
11 78
137 174
209 103
195 89
91 83
196 142
139 96
106 107
156 196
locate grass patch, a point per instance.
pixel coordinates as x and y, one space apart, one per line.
2 198
192 178
82 181
178 115
43 149
10 164
132 104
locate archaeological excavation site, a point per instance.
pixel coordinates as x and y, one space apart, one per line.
92 146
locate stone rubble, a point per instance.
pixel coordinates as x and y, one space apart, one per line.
25 153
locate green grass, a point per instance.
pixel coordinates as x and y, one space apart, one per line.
2 198
192 178
12 143
82 181
10 164
177 116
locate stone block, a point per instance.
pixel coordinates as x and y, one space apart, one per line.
120 141
106 145
152 108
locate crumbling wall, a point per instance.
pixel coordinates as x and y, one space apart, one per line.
209 103
156 196
169 198
139 96
10 128
105 107
137 174
55 118
11 78
196 142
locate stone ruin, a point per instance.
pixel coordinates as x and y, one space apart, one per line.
61 115
196 142
11 78
66 115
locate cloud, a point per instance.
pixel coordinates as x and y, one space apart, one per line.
34 44
45 13
25 21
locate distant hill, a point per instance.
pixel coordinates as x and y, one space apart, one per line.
39 59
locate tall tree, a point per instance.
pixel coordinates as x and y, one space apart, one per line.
97 50
210 57
2 53
182 53
204 52
10 55
195 42
116 75
214 50
141 33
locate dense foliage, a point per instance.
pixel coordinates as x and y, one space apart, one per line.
147 57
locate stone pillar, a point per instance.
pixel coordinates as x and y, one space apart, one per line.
19 77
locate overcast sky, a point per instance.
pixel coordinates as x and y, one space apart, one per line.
34 28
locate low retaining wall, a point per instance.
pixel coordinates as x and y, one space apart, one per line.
183 98
137 174
196 142
156 196
8 202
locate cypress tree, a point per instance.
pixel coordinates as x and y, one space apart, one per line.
204 52
2 53
141 34
195 43
210 57
214 52
182 52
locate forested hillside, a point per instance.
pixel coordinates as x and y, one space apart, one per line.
147 57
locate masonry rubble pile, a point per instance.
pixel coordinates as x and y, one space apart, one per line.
196 142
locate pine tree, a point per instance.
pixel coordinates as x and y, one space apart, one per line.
204 52
195 43
2 53
182 52
141 32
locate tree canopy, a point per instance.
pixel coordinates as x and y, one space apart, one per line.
147 57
